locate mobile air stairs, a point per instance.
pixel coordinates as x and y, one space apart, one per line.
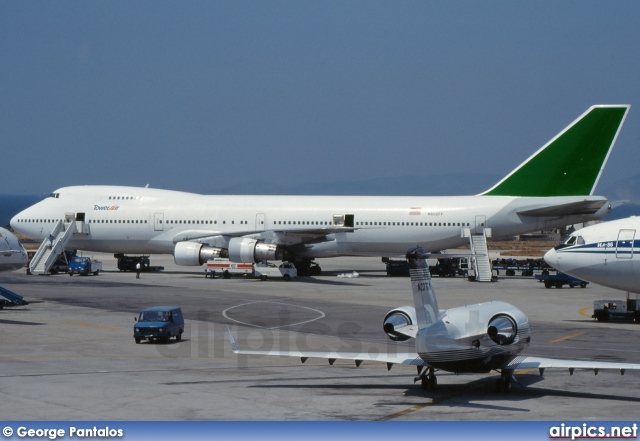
12 299
480 270
53 246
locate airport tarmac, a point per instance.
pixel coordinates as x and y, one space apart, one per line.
70 354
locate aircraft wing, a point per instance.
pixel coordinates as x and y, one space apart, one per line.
524 362
572 208
276 236
410 358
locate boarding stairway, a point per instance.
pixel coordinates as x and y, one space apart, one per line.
12 299
52 247
480 251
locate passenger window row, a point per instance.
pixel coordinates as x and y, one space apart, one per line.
415 224
123 198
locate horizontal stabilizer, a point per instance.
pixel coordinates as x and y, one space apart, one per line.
410 331
570 209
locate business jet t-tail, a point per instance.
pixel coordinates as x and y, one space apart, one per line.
469 339
553 188
606 254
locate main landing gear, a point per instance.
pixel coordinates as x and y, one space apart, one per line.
428 380
307 267
503 384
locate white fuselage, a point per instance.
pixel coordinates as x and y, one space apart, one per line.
12 254
145 220
458 341
606 253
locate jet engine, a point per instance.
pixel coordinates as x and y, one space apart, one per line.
248 250
194 254
396 318
502 329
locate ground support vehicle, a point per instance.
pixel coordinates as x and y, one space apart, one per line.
59 266
396 268
605 310
84 266
286 271
159 323
128 263
447 267
560 279
226 269
526 266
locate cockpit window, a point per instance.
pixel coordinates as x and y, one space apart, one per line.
580 240
54 195
571 240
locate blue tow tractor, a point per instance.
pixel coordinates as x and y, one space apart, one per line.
559 280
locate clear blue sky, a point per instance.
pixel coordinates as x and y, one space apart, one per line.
201 95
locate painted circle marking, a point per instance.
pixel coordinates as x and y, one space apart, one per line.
320 315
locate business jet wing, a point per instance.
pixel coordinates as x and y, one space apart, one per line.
410 358
524 362
569 209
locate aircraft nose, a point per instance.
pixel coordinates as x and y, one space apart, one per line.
551 257
14 221
15 225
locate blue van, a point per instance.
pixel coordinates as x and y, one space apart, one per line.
159 323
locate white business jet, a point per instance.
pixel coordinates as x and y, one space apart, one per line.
606 254
553 188
13 256
470 339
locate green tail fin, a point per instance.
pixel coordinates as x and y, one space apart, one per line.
572 162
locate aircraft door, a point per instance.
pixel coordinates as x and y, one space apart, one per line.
261 221
624 245
481 222
158 222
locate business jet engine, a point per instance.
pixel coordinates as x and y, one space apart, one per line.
195 254
398 318
249 250
502 329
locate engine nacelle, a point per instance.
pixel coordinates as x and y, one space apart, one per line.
502 329
193 253
403 316
248 250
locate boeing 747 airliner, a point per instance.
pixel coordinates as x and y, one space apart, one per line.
553 188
